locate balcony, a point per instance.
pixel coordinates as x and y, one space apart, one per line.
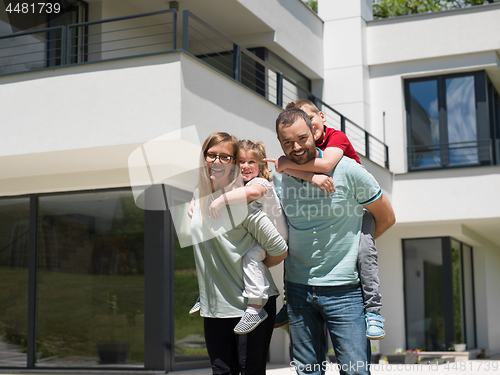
160 33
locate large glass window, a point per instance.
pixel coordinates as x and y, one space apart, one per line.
439 298
461 118
14 255
448 122
424 123
74 292
188 331
90 280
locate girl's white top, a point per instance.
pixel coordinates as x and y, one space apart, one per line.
271 206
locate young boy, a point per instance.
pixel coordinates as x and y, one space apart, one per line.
335 145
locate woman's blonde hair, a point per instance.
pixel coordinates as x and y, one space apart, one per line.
260 154
205 186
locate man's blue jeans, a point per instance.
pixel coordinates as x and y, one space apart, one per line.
340 309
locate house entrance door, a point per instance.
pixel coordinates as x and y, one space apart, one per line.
439 307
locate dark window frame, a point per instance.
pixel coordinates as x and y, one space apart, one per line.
158 282
483 121
448 305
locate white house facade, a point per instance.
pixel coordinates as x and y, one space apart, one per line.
103 112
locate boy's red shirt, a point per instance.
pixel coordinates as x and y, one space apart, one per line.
336 138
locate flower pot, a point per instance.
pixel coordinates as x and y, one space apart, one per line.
376 357
460 347
113 352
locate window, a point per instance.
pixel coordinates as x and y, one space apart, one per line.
189 334
448 121
439 293
14 248
41 49
91 280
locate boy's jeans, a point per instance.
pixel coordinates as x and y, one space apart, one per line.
340 308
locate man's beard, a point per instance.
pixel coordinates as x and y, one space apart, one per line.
310 154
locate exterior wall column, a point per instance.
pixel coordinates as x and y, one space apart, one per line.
344 44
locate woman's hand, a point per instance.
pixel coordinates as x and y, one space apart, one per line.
191 208
280 164
324 182
215 206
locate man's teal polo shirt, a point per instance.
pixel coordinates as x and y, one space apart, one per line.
324 229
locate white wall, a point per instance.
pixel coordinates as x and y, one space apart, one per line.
447 195
457 32
346 71
90 106
298 33
114 107
424 45
214 102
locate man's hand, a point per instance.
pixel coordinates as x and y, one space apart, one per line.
324 182
383 214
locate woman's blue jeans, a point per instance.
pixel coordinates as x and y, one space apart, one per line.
340 310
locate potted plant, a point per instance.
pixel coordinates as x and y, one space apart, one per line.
375 355
112 347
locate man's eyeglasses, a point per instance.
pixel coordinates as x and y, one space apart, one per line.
223 158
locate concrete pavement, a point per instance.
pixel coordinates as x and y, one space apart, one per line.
489 366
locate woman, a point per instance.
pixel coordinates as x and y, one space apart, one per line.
220 245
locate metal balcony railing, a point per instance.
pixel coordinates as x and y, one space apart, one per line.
449 155
110 39
219 51
157 33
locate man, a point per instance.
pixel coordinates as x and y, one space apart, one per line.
322 283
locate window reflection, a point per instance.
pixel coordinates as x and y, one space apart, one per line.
14 249
188 331
424 294
427 286
90 280
461 116
424 123
451 121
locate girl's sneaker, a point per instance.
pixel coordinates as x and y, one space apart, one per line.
374 326
249 322
195 310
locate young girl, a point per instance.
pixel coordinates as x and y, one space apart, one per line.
258 188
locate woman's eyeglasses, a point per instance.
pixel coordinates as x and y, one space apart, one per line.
223 158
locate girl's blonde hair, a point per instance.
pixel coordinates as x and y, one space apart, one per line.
260 154
205 186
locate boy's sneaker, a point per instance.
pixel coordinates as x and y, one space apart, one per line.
249 322
374 326
195 310
281 318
